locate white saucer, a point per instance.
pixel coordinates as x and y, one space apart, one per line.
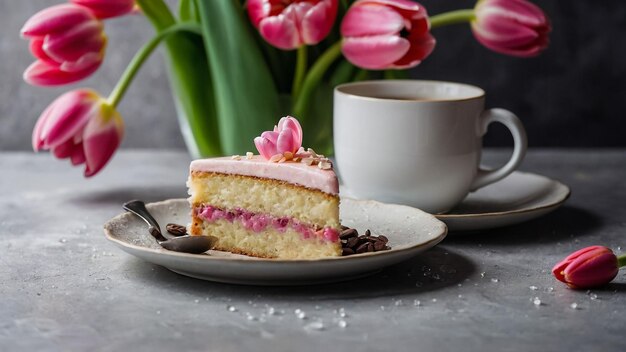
410 231
517 198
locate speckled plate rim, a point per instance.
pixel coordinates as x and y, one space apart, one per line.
560 199
417 246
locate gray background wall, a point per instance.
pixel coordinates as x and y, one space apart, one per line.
574 95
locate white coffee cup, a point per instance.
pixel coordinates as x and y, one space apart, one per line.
416 142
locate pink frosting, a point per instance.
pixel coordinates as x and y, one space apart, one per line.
260 222
292 172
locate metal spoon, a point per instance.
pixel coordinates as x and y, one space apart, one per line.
186 243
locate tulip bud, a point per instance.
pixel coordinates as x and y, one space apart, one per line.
286 137
107 8
69 43
511 27
82 126
383 34
589 267
289 24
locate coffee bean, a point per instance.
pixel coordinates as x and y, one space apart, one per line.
176 230
379 245
363 248
354 241
349 233
347 251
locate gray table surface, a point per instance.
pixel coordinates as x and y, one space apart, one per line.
63 287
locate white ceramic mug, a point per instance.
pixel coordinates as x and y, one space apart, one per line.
415 142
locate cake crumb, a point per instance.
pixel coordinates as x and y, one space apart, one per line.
276 158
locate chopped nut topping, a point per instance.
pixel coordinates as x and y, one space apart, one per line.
288 155
275 158
325 165
236 157
249 155
309 161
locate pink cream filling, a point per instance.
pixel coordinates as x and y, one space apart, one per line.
260 222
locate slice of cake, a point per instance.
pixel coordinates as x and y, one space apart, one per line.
286 207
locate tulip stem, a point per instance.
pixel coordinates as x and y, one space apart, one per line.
133 67
621 260
452 17
298 77
313 78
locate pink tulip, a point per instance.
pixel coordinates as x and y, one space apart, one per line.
589 267
107 8
289 24
69 43
382 34
511 27
286 137
82 126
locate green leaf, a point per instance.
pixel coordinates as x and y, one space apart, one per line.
187 11
344 73
190 77
246 96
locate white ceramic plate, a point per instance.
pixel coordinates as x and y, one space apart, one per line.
517 198
410 231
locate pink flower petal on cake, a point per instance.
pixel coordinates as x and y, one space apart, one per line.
266 148
292 124
285 142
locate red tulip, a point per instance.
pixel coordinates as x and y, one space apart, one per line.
382 34
107 8
511 27
289 24
286 137
69 43
589 267
82 126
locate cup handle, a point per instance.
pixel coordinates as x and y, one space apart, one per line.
513 123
